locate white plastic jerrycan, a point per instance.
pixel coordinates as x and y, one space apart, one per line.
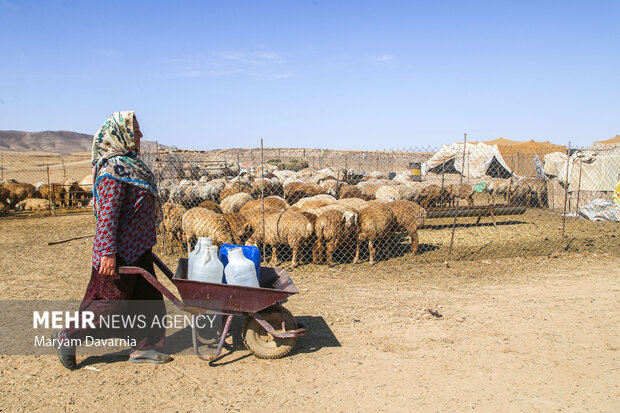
240 270
204 264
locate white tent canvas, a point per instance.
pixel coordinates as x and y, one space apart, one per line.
600 170
480 160
554 162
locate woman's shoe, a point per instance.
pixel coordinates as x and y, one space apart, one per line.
66 354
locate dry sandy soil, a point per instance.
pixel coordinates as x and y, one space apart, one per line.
517 334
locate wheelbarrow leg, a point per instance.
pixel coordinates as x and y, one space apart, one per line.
196 339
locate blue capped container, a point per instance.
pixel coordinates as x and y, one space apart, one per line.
249 251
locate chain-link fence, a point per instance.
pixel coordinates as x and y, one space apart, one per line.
302 206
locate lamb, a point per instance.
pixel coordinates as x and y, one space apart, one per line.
240 227
234 203
409 217
462 191
333 228
377 222
211 206
200 222
295 191
33 204
172 224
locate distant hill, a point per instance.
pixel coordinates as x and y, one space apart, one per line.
53 141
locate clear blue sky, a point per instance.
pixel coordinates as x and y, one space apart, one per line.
323 74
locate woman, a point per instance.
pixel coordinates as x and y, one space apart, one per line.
127 211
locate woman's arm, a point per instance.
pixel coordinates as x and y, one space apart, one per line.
110 194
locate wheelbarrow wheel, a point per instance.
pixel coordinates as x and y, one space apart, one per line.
262 344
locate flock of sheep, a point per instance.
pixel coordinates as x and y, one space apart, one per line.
316 211
29 197
308 210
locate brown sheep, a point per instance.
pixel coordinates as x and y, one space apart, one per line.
462 191
19 192
234 203
333 228
369 190
295 191
200 222
211 206
172 224
240 227
55 191
233 189
288 227
271 202
266 187
255 219
355 203
433 195
4 196
349 191
530 192
377 222
409 217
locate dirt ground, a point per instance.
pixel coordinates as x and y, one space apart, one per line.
536 333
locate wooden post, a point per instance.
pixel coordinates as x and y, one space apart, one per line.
457 200
565 192
64 171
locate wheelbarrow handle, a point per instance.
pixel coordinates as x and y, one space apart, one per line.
153 281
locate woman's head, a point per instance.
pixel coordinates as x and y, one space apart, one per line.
119 135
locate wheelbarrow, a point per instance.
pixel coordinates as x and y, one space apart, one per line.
269 330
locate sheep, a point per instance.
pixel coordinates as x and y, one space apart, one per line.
410 191
499 186
4 196
433 195
172 224
295 191
240 227
349 191
233 203
355 203
377 222
255 219
19 192
33 204
288 227
73 192
234 189
267 187
388 193
203 192
316 201
211 206
271 202
409 217
54 191
369 189
530 192
462 191
200 222
333 228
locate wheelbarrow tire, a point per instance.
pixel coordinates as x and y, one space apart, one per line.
260 343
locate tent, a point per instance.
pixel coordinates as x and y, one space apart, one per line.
520 155
607 144
480 159
599 170
554 162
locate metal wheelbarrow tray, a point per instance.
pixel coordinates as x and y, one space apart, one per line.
269 330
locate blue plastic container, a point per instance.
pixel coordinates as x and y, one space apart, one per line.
249 251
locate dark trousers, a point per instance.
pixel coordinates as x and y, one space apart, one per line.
125 295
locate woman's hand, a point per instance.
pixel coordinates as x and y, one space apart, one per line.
108 265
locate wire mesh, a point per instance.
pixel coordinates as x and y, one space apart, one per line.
324 207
